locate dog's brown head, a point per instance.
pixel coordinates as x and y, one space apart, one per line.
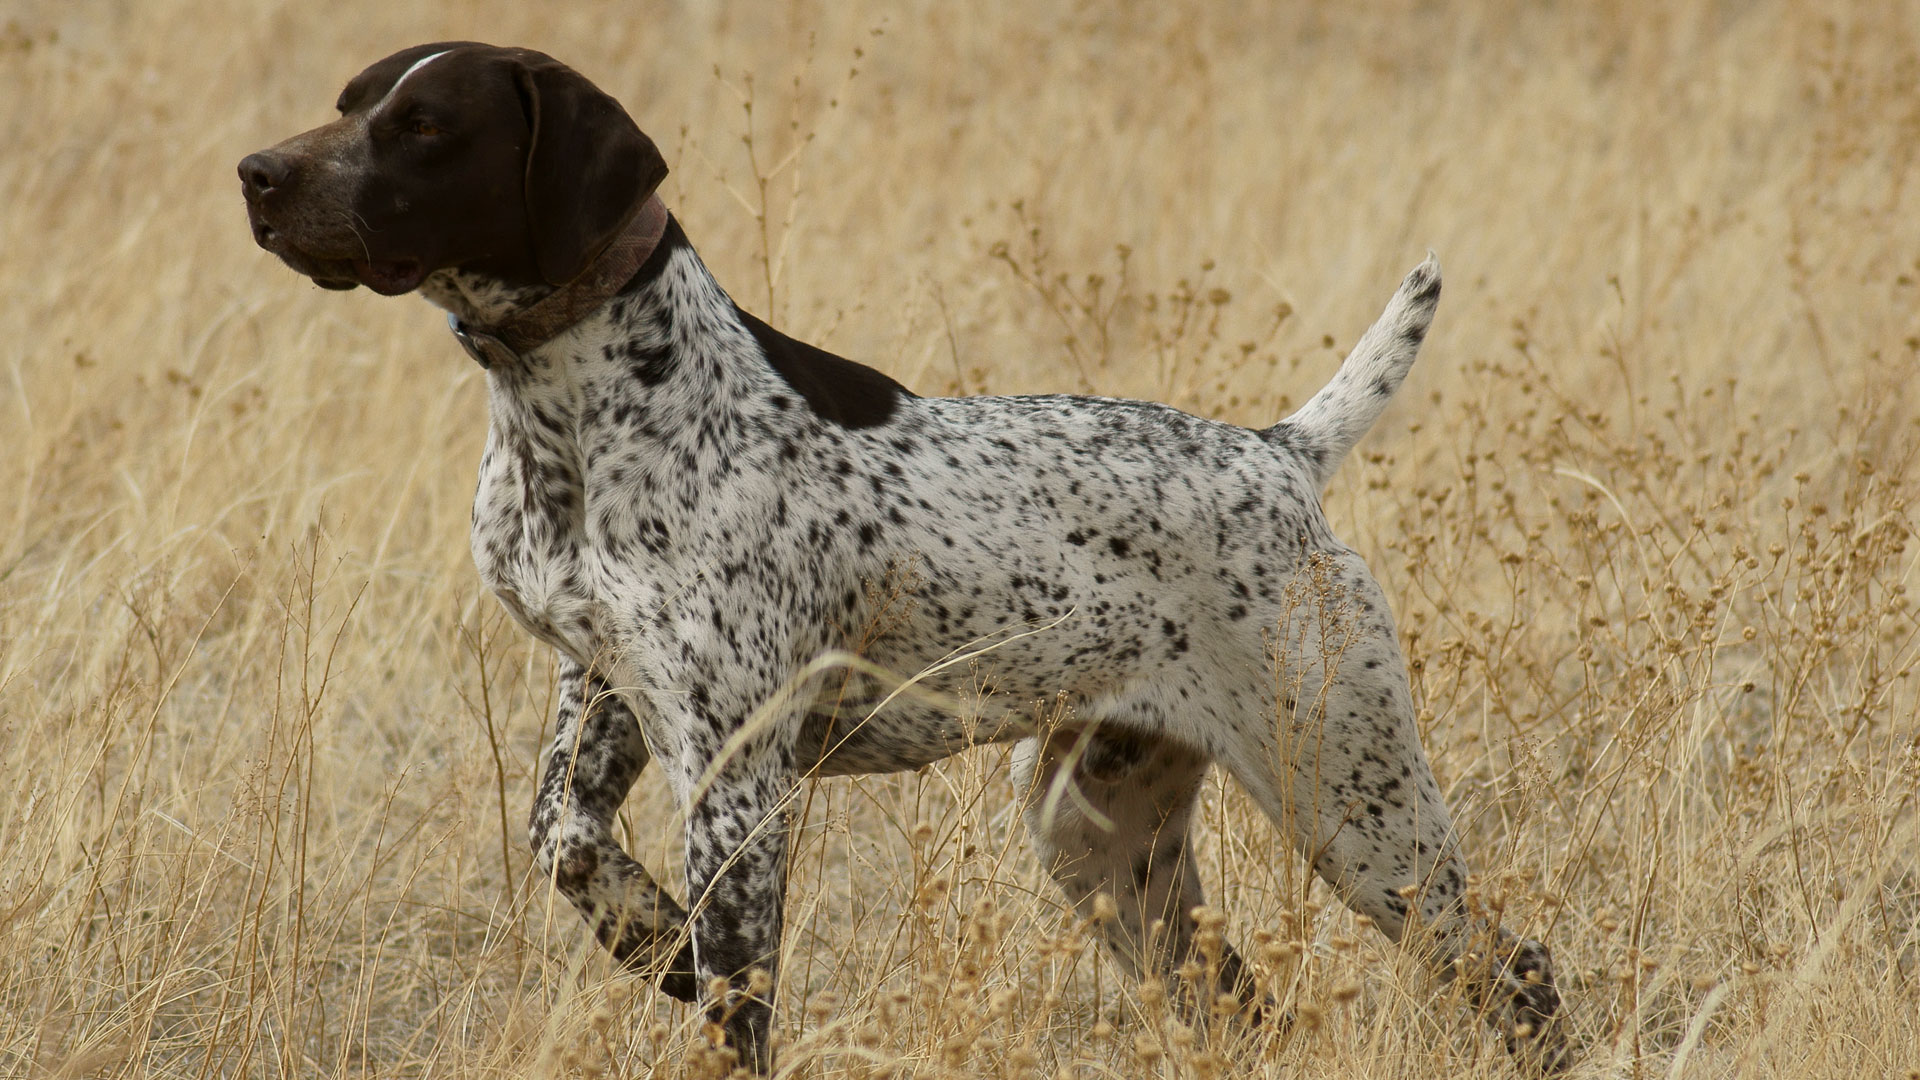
502 162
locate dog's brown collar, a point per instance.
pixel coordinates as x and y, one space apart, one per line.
559 310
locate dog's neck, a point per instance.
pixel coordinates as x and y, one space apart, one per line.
525 318
677 344
669 341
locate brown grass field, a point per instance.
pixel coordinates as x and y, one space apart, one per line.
1645 507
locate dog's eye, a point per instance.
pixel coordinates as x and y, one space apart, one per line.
425 127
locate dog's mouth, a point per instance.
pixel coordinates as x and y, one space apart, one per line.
388 277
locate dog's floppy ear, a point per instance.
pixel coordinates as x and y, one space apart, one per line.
589 167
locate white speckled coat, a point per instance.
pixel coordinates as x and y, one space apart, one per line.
664 505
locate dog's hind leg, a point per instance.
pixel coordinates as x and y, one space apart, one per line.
1347 777
1109 812
596 754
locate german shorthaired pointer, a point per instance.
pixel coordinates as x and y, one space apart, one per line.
705 518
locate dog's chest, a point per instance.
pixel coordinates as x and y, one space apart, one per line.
558 521
526 543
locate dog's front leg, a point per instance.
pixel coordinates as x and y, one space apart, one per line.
736 883
596 755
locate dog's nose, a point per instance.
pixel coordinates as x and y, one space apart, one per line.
262 172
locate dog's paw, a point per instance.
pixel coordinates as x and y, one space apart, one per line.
640 953
680 981
1535 1026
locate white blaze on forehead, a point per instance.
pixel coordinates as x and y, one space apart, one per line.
417 65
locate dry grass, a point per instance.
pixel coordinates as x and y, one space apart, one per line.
1645 509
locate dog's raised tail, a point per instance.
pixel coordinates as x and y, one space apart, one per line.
1328 425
